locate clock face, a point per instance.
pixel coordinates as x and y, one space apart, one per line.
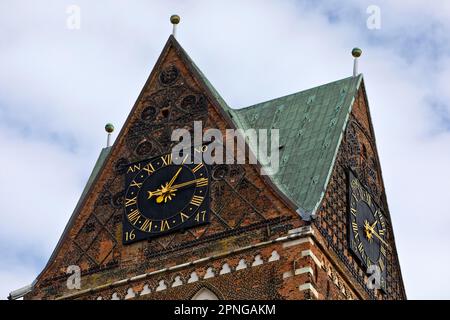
162 197
367 229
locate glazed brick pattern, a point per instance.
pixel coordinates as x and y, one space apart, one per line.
245 210
332 218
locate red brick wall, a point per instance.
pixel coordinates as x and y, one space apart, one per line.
245 212
332 218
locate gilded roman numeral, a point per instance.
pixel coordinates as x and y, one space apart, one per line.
197 200
383 224
167 159
147 225
134 216
130 202
133 168
197 167
360 247
135 184
202 182
149 168
355 226
183 216
353 211
164 225
381 232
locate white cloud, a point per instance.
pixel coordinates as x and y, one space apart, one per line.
59 87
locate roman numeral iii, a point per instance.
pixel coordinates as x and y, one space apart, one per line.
147 225
197 200
202 182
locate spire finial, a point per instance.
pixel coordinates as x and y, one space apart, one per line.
109 128
175 19
356 53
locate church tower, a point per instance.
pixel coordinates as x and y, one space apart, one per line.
147 227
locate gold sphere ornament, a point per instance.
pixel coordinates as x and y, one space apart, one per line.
175 19
109 128
356 52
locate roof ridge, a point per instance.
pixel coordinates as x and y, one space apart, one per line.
311 133
292 94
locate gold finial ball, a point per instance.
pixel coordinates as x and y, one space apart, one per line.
175 19
109 128
356 52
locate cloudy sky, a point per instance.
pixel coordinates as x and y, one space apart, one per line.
59 86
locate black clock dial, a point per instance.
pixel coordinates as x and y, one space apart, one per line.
172 204
366 215
367 229
162 196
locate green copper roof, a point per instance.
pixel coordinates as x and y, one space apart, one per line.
310 126
310 123
98 164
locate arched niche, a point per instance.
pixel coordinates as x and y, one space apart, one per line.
205 294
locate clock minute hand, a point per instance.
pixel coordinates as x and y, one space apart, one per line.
187 183
379 238
159 192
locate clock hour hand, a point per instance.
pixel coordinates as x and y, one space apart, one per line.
169 185
370 230
168 188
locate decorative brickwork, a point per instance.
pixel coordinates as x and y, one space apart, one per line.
358 153
256 245
244 210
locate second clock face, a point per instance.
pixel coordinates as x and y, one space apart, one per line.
367 228
162 197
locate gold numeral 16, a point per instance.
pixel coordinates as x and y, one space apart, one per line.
130 235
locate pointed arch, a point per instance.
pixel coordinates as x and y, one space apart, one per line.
205 294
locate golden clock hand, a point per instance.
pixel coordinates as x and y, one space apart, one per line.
183 184
157 192
174 188
378 236
169 185
367 230
160 199
168 188
374 224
